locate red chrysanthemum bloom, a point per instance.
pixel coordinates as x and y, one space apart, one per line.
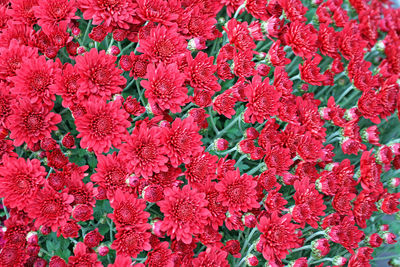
278 236
201 169
50 208
67 85
239 35
302 38
12 255
69 229
185 213
263 100
12 57
224 103
31 122
99 75
165 87
200 72
20 180
128 211
54 12
36 79
116 13
160 256
181 140
215 207
163 44
213 256
6 148
21 11
130 242
82 257
158 11
111 173
237 192
309 204
346 234
143 151
6 101
103 125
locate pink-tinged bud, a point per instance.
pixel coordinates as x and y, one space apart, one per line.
40 263
156 227
351 114
371 135
126 62
249 220
113 50
375 240
320 247
384 155
103 250
339 261
301 262
233 248
81 50
32 238
45 230
252 260
75 31
57 261
33 249
68 141
133 107
132 181
389 238
221 144
196 44
153 193
304 87
395 182
384 227
395 148
93 238
272 26
251 133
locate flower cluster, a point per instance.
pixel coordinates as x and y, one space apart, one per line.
198 133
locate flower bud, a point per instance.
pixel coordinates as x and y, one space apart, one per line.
113 50
103 250
320 247
252 260
375 240
339 261
221 144
249 220
32 238
153 193
389 238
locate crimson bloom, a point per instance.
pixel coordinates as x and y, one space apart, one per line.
99 75
165 87
131 242
237 192
102 126
185 213
31 122
50 208
82 257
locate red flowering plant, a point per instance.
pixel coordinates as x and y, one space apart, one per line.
199 133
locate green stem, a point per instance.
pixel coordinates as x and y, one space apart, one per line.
321 260
256 169
140 92
210 111
390 257
239 9
86 32
229 126
110 224
5 209
301 248
348 89
314 235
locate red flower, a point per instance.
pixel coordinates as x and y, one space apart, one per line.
278 236
224 104
6 101
310 72
165 87
201 169
143 151
277 56
263 100
99 75
128 211
20 180
160 256
82 257
200 72
369 105
185 213
93 238
237 192
302 38
309 204
67 85
102 126
130 242
111 173
181 140
215 207
54 12
158 11
346 234
36 79
239 35
163 44
362 257
12 255
213 256
50 208
112 13
31 122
